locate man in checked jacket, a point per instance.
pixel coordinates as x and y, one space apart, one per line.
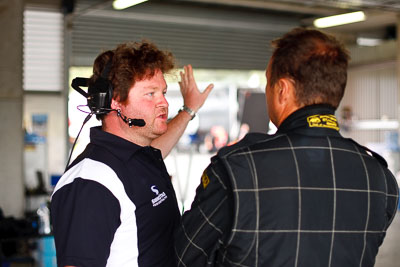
303 197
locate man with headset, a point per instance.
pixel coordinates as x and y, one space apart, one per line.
115 204
304 196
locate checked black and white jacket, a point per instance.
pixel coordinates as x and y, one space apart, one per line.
303 197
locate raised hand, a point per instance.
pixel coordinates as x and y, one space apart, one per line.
192 97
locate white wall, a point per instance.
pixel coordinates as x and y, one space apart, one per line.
54 106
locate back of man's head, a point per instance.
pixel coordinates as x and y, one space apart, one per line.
315 62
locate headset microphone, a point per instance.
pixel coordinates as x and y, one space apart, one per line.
131 122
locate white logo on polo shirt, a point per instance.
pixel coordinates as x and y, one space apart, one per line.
154 189
160 198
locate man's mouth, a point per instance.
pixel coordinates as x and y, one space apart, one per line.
163 114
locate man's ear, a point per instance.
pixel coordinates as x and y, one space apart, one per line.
286 92
115 104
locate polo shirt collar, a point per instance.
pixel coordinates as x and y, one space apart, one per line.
118 146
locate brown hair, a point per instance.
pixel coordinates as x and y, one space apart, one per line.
315 61
131 62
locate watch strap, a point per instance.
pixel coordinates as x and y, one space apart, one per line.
189 111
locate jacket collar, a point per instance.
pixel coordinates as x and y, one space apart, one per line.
316 120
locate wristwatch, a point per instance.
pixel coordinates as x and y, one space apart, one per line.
188 110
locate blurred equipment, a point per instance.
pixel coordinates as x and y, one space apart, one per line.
15 243
252 104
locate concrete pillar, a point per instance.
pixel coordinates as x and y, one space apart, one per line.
11 96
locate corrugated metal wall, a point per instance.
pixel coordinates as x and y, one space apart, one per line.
43 49
205 37
372 94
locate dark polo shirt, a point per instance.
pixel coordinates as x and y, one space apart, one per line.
115 206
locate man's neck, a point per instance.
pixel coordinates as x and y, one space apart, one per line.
286 112
117 127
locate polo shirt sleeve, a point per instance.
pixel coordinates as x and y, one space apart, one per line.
207 224
85 216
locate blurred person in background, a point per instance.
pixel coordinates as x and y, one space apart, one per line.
216 138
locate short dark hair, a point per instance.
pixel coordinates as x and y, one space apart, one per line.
131 62
315 61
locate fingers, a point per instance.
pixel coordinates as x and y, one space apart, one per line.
183 78
189 72
205 94
207 91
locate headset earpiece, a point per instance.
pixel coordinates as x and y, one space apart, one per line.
101 92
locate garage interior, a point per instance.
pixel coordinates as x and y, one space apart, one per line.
47 43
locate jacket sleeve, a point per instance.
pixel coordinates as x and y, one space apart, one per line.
208 223
392 197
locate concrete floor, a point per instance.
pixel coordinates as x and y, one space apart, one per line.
389 252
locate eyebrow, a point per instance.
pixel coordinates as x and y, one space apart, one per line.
154 88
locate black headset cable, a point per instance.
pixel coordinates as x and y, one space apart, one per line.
76 139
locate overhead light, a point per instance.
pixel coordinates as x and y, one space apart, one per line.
339 19
122 4
363 41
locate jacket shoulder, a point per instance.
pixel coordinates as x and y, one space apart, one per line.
378 157
248 140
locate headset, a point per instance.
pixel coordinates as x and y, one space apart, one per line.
99 96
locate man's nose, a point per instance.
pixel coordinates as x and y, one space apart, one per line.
163 102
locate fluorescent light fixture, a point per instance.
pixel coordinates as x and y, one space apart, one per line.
122 4
362 41
339 19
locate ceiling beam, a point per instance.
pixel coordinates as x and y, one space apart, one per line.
276 6
44 3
